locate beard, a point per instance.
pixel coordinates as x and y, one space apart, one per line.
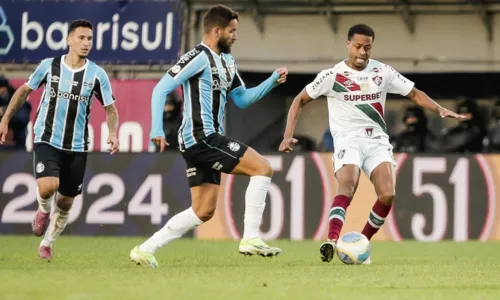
224 45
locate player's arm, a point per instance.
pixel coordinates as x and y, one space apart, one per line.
36 79
244 97
401 85
104 93
423 100
112 120
189 65
293 115
312 91
16 102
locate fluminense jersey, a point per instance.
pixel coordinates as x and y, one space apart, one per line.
356 99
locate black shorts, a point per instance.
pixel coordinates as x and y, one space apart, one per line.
68 166
211 156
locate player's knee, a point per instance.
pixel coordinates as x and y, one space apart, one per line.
205 213
265 169
48 187
387 197
64 203
347 188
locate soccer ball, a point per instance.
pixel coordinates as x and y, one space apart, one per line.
353 248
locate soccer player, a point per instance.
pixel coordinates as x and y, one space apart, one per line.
209 75
61 132
356 89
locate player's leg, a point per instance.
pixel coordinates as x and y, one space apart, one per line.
347 181
46 165
73 166
204 186
259 170
347 162
379 167
384 180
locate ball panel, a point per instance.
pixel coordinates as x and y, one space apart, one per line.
353 248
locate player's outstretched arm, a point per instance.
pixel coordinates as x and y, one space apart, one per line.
293 115
15 103
423 100
244 97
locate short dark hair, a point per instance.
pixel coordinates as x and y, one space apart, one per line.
362 29
219 15
79 23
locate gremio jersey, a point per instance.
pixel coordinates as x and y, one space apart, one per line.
207 78
356 99
64 111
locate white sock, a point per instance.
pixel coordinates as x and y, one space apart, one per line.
57 224
175 228
44 204
255 203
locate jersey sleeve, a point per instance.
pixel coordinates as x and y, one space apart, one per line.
398 84
321 85
188 65
39 76
102 88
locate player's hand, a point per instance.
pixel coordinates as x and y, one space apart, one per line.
283 72
445 113
161 142
114 144
285 145
4 129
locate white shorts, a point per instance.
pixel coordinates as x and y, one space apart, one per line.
366 153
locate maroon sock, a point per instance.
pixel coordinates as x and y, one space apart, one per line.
337 216
376 219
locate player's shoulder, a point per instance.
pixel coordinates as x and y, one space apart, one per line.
378 66
99 71
328 72
323 77
46 62
196 52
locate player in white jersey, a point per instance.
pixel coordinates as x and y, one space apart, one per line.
356 89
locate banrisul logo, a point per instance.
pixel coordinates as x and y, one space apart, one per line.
6 36
113 35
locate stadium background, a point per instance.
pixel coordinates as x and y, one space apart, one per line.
449 48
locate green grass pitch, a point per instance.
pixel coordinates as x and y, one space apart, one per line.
99 268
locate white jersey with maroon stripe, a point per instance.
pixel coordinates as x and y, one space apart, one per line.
356 99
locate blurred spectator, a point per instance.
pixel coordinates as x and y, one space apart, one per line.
16 138
414 137
468 135
172 118
327 141
493 138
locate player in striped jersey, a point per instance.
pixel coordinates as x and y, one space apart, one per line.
61 128
209 75
356 89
